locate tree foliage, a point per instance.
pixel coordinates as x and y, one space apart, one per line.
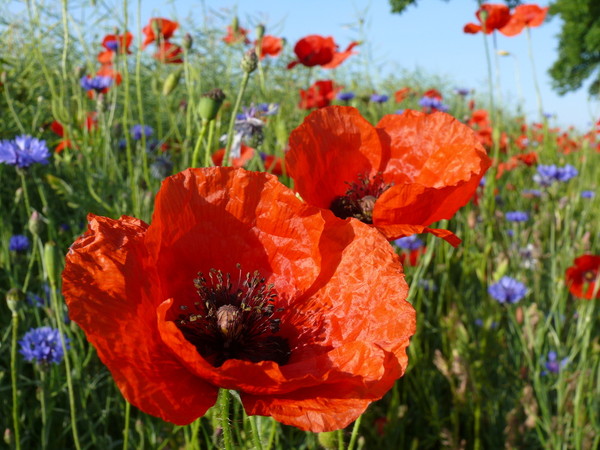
579 46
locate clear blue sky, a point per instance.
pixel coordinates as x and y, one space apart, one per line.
428 36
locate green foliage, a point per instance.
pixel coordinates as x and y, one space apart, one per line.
398 6
579 46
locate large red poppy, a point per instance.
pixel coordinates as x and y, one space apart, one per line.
315 50
318 95
165 28
408 172
494 17
524 16
583 277
307 340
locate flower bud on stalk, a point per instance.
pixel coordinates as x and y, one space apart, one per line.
50 262
35 224
14 299
171 82
187 42
249 61
210 103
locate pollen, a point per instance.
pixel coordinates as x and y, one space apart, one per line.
360 198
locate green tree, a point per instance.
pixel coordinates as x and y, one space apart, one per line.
579 46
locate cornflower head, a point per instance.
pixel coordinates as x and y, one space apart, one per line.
517 216
553 365
345 96
507 290
379 98
409 242
137 131
588 194
42 345
18 243
23 151
434 104
97 83
547 174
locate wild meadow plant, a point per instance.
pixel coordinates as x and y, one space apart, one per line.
240 238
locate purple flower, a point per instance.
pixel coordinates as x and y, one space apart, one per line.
547 175
268 109
409 242
507 290
35 300
97 83
399 111
379 98
517 216
18 243
24 151
588 194
42 345
112 45
566 173
345 96
553 365
463 92
138 130
433 103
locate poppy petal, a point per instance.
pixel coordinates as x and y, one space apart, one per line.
106 284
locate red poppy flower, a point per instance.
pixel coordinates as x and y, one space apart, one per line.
107 71
246 155
433 93
315 50
496 16
273 164
319 95
169 53
401 94
408 172
235 36
164 27
270 46
59 130
524 16
118 42
583 277
306 339
411 258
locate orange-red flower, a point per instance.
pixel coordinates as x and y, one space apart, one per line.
315 50
237 284
158 29
270 46
169 53
524 16
494 17
404 174
236 35
319 95
115 43
246 154
583 277
59 130
401 94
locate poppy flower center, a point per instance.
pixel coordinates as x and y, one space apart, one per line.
359 200
234 320
589 276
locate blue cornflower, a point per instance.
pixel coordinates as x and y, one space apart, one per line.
268 109
517 216
112 45
138 130
588 194
548 115
42 345
35 300
345 96
23 151
97 83
433 103
553 364
566 173
463 92
379 98
547 175
482 181
18 243
399 111
411 242
507 290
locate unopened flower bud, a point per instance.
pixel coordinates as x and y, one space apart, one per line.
171 82
235 25
260 31
14 299
8 437
187 41
35 223
209 104
51 263
249 61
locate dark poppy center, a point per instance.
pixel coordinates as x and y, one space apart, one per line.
359 200
589 276
234 319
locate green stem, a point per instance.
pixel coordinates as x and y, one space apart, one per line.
224 412
25 193
126 428
196 153
207 150
535 80
255 435
13 374
44 409
354 435
340 439
238 102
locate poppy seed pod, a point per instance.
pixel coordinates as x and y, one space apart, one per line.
171 82
187 41
249 61
209 104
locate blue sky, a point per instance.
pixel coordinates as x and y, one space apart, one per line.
428 36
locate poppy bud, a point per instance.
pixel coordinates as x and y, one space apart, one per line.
187 41
260 32
35 224
14 299
235 25
8 437
209 104
249 61
50 262
171 82
328 440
